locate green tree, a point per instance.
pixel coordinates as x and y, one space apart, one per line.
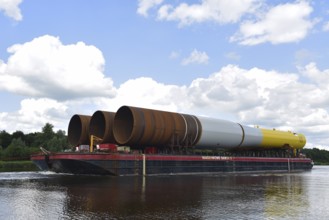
58 142
17 135
5 139
50 140
19 145
16 150
60 133
37 140
317 155
48 131
30 138
41 139
54 144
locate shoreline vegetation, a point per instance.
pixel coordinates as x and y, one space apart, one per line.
17 166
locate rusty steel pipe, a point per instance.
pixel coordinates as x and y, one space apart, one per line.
146 127
78 130
101 126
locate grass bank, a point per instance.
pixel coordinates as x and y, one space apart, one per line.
321 163
17 166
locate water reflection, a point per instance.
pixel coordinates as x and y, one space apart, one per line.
127 197
286 196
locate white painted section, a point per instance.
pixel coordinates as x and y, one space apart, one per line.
252 137
217 133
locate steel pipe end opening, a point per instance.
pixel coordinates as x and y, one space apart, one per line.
78 130
123 125
101 126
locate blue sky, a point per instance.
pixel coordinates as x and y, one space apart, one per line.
255 62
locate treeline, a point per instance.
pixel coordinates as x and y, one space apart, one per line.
19 146
320 157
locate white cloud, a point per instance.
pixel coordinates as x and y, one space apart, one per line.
34 114
145 5
44 67
196 56
219 11
144 92
283 23
259 22
320 78
326 26
11 9
233 89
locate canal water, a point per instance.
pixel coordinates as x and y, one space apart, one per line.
46 195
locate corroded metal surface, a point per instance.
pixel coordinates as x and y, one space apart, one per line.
101 125
78 130
140 126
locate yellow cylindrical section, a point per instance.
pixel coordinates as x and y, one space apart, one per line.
279 139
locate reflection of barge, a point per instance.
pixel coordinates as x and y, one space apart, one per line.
170 143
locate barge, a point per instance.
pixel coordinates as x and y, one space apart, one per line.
165 143
136 164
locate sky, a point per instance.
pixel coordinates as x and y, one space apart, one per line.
254 62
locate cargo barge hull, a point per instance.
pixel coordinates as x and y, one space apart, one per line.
158 164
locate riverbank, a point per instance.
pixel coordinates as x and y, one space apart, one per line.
17 166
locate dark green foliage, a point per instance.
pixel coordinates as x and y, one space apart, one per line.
19 146
50 140
18 135
30 139
47 132
5 139
16 149
56 144
317 155
17 166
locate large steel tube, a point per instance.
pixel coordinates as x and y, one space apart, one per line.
140 127
217 133
78 130
147 127
101 126
252 137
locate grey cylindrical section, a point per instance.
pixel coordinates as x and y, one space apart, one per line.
101 126
218 133
253 137
146 127
78 130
